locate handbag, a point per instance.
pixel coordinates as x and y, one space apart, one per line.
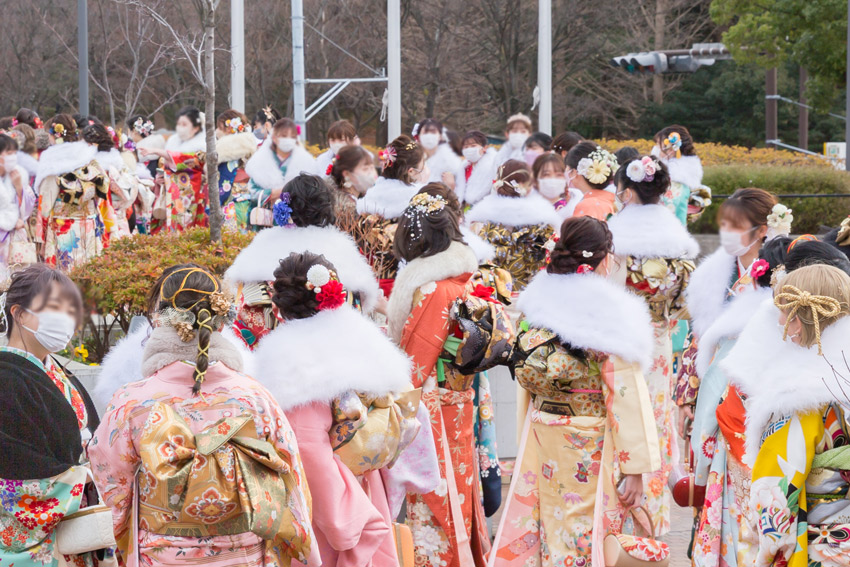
686 492
88 529
624 550
22 252
261 216
403 544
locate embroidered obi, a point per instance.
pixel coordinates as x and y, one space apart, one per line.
519 250
661 283
78 191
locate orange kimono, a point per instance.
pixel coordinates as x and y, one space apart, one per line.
596 203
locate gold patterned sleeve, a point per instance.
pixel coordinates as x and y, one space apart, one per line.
681 271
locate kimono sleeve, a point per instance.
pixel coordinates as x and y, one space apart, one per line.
631 419
183 162
778 493
704 434
426 329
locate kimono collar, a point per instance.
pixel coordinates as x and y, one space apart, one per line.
651 231
195 144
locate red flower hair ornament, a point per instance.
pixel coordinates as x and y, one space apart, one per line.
584 269
328 289
760 268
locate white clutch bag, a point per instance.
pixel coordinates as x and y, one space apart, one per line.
87 530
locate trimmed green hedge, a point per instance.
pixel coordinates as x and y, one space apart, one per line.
810 214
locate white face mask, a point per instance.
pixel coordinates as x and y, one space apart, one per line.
472 153
733 242
656 151
552 187
517 139
55 329
184 132
619 204
363 181
336 146
10 162
429 141
285 145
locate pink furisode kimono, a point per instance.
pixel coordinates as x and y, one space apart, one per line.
321 369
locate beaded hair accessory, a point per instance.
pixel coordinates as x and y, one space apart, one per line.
329 291
422 205
820 306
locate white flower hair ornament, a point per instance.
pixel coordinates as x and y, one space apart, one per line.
642 170
779 221
598 167
317 276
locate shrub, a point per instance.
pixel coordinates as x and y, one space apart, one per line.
117 282
810 214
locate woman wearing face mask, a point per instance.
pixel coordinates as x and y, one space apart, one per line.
264 121
687 196
591 169
17 201
550 180
655 257
340 134
475 177
46 419
564 142
235 145
441 160
353 173
279 160
535 146
516 133
585 345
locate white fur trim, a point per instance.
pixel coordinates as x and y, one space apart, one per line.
484 251
686 170
730 323
515 211
457 259
264 170
249 366
29 163
63 158
480 180
323 160
387 198
589 312
258 261
569 210
318 358
241 145
507 152
195 144
707 289
444 160
152 142
164 347
112 158
121 366
781 378
651 231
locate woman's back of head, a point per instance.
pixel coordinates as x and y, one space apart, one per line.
311 201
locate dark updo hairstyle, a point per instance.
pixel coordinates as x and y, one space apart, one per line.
27 133
580 235
311 201
230 114
649 192
543 160
348 158
624 154
563 143
8 143
6 122
266 114
71 133
98 136
188 287
581 151
541 139
30 289
512 170
192 113
28 116
774 252
408 154
477 136
291 295
442 190
687 149
83 120
749 205
811 252
420 235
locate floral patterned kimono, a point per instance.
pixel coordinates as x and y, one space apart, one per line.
448 524
185 197
579 354
685 178
156 427
656 252
124 189
234 184
518 228
796 442
74 203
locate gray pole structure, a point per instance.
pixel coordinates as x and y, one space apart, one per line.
771 107
544 65
83 53
803 116
847 96
237 55
394 69
298 84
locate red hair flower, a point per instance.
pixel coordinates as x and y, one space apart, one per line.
760 268
330 169
584 269
484 292
331 296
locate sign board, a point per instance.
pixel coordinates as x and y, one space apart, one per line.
835 150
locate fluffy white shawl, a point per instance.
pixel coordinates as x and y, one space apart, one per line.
781 378
515 211
195 144
231 147
258 261
319 358
443 160
507 152
29 163
589 312
264 170
480 180
651 231
122 365
323 160
686 170
484 251
152 142
387 198
707 289
112 158
457 259
63 158
164 347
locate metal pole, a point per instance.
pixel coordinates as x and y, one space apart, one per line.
771 106
544 65
394 68
847 96
237 55
83 53
803 118
298 95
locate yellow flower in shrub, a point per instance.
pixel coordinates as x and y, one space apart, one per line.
82 352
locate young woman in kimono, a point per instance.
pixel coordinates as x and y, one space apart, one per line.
248 506
442 162
352 173
790 363
687 196
307 223
17 201
72 188
591 169
580 352
353 413
655 256
516 221
517 131
475 179
235 145
46 418
550 181
448 524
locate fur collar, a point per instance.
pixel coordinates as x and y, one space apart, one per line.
264 167
152 142
730 323
480 180
358 356
707 289
122 365
29 163
112 158
258 261
781 378
387 198
63 158
195 144
443 160
506 152
589 312
235 146
686 170
511 211
456 260
164 347
484 251
651 231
